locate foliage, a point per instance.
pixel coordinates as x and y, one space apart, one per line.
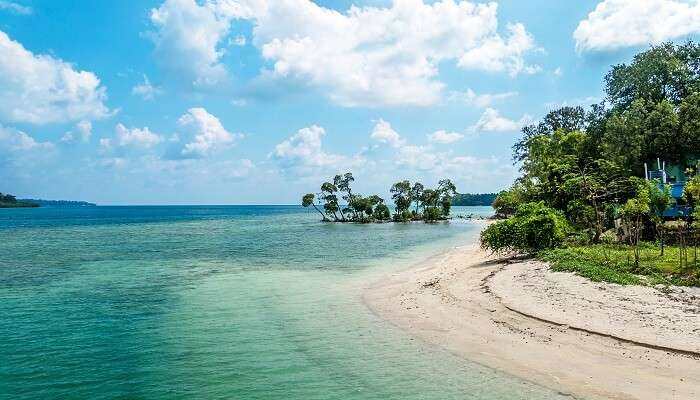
10 201
435 203
534 227
612 263
691 192
476 199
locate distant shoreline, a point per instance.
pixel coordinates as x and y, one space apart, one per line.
499 315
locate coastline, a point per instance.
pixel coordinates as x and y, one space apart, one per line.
478 308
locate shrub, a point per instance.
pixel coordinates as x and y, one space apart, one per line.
534 227
432 214
381 212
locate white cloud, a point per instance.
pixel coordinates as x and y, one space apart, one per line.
384 133
558 72
14 140
376 56
41 89
480 100
207 131
365 56
498 55
135 137
84 131
615 24
444 137
492 121
303 154
15 7
146 90
188 37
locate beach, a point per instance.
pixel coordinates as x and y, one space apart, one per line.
584 339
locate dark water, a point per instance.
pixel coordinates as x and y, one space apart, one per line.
242 302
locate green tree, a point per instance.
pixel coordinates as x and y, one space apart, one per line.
659 201
330 200
309 200
416 193
342 183
401 195
534 227
634 211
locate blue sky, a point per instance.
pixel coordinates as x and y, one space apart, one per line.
258 101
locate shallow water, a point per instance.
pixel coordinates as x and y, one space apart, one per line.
217 302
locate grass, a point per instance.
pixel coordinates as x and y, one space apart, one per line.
615 264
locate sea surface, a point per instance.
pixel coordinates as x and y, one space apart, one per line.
218 302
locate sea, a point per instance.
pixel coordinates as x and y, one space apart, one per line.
219 302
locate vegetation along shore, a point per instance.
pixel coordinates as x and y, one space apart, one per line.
612 192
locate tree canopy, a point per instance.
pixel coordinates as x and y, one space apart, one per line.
412 202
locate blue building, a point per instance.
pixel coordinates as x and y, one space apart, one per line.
676 177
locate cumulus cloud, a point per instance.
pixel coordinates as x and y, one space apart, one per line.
138 138
496 54
424 162
41 89
364 56
615 24
471 98
15 7
444 137
83 132
384 133
206 131
145 89
303 154
492 121
188 37
14 140
375 56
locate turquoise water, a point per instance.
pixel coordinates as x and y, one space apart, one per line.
216 303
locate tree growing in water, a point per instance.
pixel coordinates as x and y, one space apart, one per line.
434 203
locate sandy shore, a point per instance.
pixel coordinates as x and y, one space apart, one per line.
592 341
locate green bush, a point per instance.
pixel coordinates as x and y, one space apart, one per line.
432 214
534 227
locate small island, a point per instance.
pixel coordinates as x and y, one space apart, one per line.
10 201
412 202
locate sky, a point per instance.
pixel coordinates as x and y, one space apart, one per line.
260 101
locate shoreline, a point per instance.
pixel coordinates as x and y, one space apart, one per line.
483 310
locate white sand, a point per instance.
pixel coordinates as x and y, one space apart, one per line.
497 315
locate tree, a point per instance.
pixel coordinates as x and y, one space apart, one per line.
446 190
659 200
342 183
689 126
664 72
416 193
567 119
308 200
330 199
633 211
401 194
534 227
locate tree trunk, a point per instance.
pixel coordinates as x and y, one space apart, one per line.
320 212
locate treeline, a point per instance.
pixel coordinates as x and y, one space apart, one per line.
412 202
477 199
59 203
583 169
10 201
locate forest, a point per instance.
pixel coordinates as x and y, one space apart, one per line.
614 186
